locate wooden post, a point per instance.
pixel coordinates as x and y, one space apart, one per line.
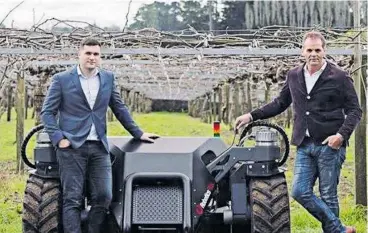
33 112
231 107
136 100
225 109
214 103
10 102
127 96
141 102
203 108
249 95
197 109
267 91
210 106
194 107
219 105
20 119
148 105
243 98
234 103
31 99
128 100
39 98
132 100
145 100
191 107
360 132
26 100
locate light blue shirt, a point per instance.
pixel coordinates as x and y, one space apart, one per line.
90 88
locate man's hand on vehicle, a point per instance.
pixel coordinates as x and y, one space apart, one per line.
243 120
149 137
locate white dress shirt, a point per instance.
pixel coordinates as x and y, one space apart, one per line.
90 88
311 79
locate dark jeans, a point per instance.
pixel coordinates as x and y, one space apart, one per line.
322 162
91 163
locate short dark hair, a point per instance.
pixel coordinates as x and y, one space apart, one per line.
90 42
315 35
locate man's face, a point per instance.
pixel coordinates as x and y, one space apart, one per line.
90 56
313 51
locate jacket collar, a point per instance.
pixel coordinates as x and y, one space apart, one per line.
301 78
77 83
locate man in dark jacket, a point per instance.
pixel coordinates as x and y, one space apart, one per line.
326 112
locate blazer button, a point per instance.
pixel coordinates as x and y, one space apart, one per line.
307 113
308 97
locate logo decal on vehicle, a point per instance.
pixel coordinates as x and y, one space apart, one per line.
200 207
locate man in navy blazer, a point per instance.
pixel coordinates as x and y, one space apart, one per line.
80 98
326 111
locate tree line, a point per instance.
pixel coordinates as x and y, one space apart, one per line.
241 15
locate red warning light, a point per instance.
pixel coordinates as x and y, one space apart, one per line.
216 129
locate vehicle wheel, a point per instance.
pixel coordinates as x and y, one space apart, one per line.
42 206
269 202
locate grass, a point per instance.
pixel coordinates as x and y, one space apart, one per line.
166 124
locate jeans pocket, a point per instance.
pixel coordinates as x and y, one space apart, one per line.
62 153
333 149
329 150
329 154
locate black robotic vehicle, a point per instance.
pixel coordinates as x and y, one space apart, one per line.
176 185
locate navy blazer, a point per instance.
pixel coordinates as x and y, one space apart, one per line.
331 107
65 98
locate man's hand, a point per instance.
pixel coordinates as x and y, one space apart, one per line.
243 120
149 137
64 143
334 141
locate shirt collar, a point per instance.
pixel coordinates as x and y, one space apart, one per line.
320 70
79 71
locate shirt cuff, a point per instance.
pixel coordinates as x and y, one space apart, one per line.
342 138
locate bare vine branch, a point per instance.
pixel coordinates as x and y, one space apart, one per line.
181 76
6 16
127 15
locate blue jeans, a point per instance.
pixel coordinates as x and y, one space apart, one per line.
91 162
322 162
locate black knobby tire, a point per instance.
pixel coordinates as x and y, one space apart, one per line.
42 206
270 209
32 198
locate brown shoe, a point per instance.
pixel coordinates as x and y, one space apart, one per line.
350 230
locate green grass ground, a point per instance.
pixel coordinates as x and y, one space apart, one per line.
165 124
